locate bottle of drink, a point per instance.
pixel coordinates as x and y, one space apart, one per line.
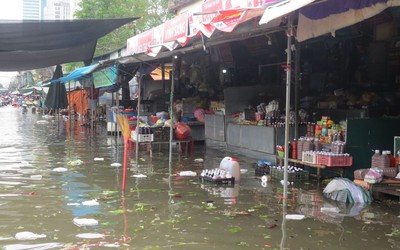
375 159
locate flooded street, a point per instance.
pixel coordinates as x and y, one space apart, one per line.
56 194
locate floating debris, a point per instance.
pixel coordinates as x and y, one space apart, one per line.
98 159
139 175
90 236
75 163
36 177
198 160
90 203
295 216
28 236
187 173
116 164
80 222
60 169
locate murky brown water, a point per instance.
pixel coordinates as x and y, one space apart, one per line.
163 210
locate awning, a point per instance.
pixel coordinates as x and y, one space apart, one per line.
282 8
76 74
223 15
328 16
225 20
30 44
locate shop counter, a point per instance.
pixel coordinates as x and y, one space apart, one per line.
256 141
318 167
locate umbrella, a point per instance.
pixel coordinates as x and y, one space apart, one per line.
57 95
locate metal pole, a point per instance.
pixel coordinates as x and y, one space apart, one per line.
287 126
296 88
137 116
171 113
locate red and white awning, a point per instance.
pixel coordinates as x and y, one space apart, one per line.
223 15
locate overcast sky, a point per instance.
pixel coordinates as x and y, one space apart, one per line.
10 9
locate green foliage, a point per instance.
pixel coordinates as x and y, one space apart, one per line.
150 12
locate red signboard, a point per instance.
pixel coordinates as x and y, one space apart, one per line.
176 28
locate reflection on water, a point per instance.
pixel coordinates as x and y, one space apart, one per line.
161 210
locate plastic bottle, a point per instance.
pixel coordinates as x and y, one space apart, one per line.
392 162
231 165
384 160
375 159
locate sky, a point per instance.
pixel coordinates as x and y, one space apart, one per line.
9 10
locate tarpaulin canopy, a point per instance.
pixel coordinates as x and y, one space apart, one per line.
77 73
282 8
31 44
328 16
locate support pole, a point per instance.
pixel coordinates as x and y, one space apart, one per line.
171 108
296 88
137 117
287 107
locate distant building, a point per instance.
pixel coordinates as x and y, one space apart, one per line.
32 9
60 9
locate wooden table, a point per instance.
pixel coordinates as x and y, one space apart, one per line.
178 144
317 166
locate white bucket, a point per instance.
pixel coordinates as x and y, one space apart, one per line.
231 165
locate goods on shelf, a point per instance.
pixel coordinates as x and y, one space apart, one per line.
294 173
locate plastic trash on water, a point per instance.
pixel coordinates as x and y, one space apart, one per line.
75 163
295 216
139 175
116 164
80 222
98 159
36 177
60 169
90 203
91 236
187 173
198 160
264 178
28 236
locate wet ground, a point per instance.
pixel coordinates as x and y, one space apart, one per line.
57 192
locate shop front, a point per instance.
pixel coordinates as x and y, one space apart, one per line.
339 83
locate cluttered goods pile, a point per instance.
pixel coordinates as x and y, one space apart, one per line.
344 190
227 173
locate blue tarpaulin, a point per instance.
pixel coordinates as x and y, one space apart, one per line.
77 74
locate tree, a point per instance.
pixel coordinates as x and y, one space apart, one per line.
151 13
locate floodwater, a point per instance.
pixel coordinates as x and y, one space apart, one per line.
56 194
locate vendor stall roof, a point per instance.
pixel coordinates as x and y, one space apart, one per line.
26 45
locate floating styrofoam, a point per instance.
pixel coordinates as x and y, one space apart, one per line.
90 203
60 169
90 236
98 159
198 160
36 177
139 175
80 222
187 173
28 236
116 164
294 216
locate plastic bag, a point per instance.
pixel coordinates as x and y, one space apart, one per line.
182 130
373 175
